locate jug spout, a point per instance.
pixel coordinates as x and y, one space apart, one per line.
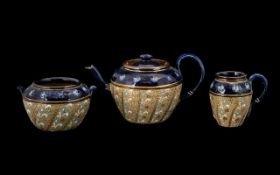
98 76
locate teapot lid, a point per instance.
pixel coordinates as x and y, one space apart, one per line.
146 62
146 72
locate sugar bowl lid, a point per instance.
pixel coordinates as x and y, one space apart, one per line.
146 62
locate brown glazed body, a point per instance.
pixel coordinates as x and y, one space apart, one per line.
57 116
146 106
230 111
53 106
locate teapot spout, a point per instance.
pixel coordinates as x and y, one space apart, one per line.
98 76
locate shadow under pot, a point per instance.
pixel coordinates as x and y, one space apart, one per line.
231 97
147 90
56 103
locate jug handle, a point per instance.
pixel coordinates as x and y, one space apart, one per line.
264 82
20 89
98 76
258 99
202 72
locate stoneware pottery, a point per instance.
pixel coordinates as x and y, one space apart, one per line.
231 97
57 103
147 90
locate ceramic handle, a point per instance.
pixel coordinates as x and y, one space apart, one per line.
202 72
264 82
98 76
92 89
146 57
21 89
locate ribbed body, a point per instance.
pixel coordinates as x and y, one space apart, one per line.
146 106
57 116
230 111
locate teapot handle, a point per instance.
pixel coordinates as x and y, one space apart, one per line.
264 82
202 72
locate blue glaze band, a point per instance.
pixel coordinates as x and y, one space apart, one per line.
46 90
230 88
35 93
164 77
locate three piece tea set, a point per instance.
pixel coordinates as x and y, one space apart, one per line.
146 90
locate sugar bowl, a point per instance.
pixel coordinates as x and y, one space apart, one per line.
56 103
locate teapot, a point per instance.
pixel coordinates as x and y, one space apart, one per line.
146 89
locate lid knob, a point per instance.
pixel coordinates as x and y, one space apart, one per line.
146 57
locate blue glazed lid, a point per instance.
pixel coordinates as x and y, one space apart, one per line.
146 71
56 89
146 62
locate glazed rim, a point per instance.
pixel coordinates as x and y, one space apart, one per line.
57 83
147 87
56 102
231 75
162 65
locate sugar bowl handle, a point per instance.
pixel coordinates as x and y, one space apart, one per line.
264 82
92 89
20 89
202 72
